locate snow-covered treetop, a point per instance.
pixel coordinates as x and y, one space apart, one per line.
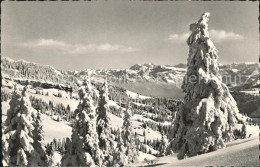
85 94
203 58
86 81
104 90
87 85
209 112
127 116
24 91
204 18
200 33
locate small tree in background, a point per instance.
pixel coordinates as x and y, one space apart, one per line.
243 132
120 158
163 146
128 136
38 139
50 149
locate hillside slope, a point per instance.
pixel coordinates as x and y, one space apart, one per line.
243 153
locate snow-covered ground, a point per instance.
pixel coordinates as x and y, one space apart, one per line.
150 134
53 129
139 104
57 158
112 103
56 100
237 153
141 117
135 95
5 106
252 92
250 130
116 122
153 151
142 156
234 70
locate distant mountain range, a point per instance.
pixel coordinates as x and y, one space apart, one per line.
147 79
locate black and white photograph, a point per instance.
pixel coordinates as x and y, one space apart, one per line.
130 83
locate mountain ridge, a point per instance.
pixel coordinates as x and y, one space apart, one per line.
142 77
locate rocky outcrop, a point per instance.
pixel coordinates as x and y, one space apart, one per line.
205 122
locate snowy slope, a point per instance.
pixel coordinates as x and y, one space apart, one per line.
237 153
56 100
136 96
53 129
142 156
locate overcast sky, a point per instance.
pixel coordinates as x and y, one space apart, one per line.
79 35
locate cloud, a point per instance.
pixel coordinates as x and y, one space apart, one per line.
221 35
45 42
109 47
178 37
77 48
215 35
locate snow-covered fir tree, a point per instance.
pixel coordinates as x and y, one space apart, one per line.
19 133
38 139
209 113
243 131
106 143
50 149
4 147
120 157
163 145
83 149
128 136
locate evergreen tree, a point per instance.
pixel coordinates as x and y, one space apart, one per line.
38 139
243 132
207 118
4 147
103 126
128 136
18 132
120 159
50 149
83 149
149 152
162 148
63 146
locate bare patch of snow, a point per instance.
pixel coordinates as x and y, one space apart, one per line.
53 129
143 156
135 95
